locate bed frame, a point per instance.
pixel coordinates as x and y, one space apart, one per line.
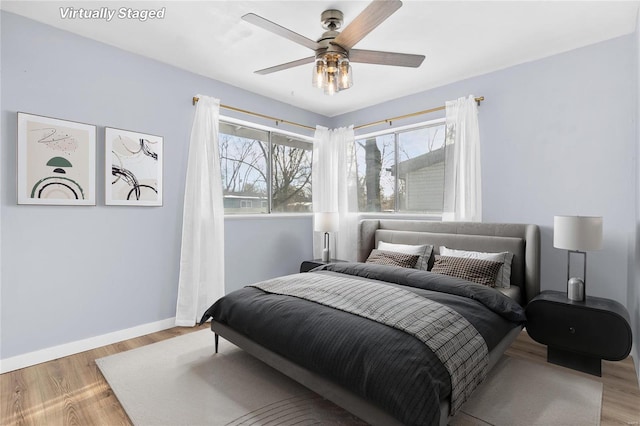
522 240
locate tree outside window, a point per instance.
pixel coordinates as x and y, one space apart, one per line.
261 169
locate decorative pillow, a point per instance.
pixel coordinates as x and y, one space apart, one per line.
424 251
392 258
503 279
476 270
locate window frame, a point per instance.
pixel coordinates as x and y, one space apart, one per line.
395 131
269 183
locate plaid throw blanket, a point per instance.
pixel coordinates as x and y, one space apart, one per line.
456 343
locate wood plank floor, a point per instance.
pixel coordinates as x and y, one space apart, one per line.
72 391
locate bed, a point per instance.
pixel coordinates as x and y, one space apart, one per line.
361 334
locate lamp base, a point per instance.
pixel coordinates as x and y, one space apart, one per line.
325 255
325 251
575 289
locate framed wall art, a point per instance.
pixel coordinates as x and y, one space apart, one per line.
56 161
133 168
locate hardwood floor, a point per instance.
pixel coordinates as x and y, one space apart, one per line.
72 391
620 393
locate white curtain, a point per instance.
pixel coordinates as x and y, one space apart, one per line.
201 279
463 185
334 180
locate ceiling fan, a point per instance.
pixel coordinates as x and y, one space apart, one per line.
333 50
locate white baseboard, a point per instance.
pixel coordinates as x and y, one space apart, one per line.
55 352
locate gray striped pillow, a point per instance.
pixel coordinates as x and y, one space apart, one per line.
392 258
424 251
475 270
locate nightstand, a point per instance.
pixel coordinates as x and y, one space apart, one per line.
308 265
579 335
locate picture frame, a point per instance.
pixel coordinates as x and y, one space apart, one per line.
56 161
133 168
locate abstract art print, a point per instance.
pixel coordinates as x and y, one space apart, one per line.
56 161
133 168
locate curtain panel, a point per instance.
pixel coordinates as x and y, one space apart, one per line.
463 180
334 181
201 280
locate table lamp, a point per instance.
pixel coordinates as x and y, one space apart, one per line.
577 234
325 222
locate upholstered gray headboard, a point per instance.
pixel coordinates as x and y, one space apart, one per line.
520 239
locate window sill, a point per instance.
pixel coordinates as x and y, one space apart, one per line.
368 215
266 216
393 215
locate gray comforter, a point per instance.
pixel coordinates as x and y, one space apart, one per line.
385 365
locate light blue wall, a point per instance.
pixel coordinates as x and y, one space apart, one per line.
557 137
277 244
70 273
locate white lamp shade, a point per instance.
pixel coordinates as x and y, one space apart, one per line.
581 233
325 222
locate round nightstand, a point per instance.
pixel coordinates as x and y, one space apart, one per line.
579 335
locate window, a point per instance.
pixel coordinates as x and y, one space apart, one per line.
260 169
290 174
402 171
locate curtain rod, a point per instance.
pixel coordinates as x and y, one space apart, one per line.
413 114
256 114
362 126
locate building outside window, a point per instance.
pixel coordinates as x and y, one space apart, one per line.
402 171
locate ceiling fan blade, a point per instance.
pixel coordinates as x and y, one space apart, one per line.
286 65
280 30
385 58
372 16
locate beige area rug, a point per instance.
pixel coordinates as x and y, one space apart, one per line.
522 393
181 381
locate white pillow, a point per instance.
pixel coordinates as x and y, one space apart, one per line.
424 251
503 278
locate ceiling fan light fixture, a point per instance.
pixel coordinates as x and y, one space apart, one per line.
345 74
332 65
318 73
332 73
330 84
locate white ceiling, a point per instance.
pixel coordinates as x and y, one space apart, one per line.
460 39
